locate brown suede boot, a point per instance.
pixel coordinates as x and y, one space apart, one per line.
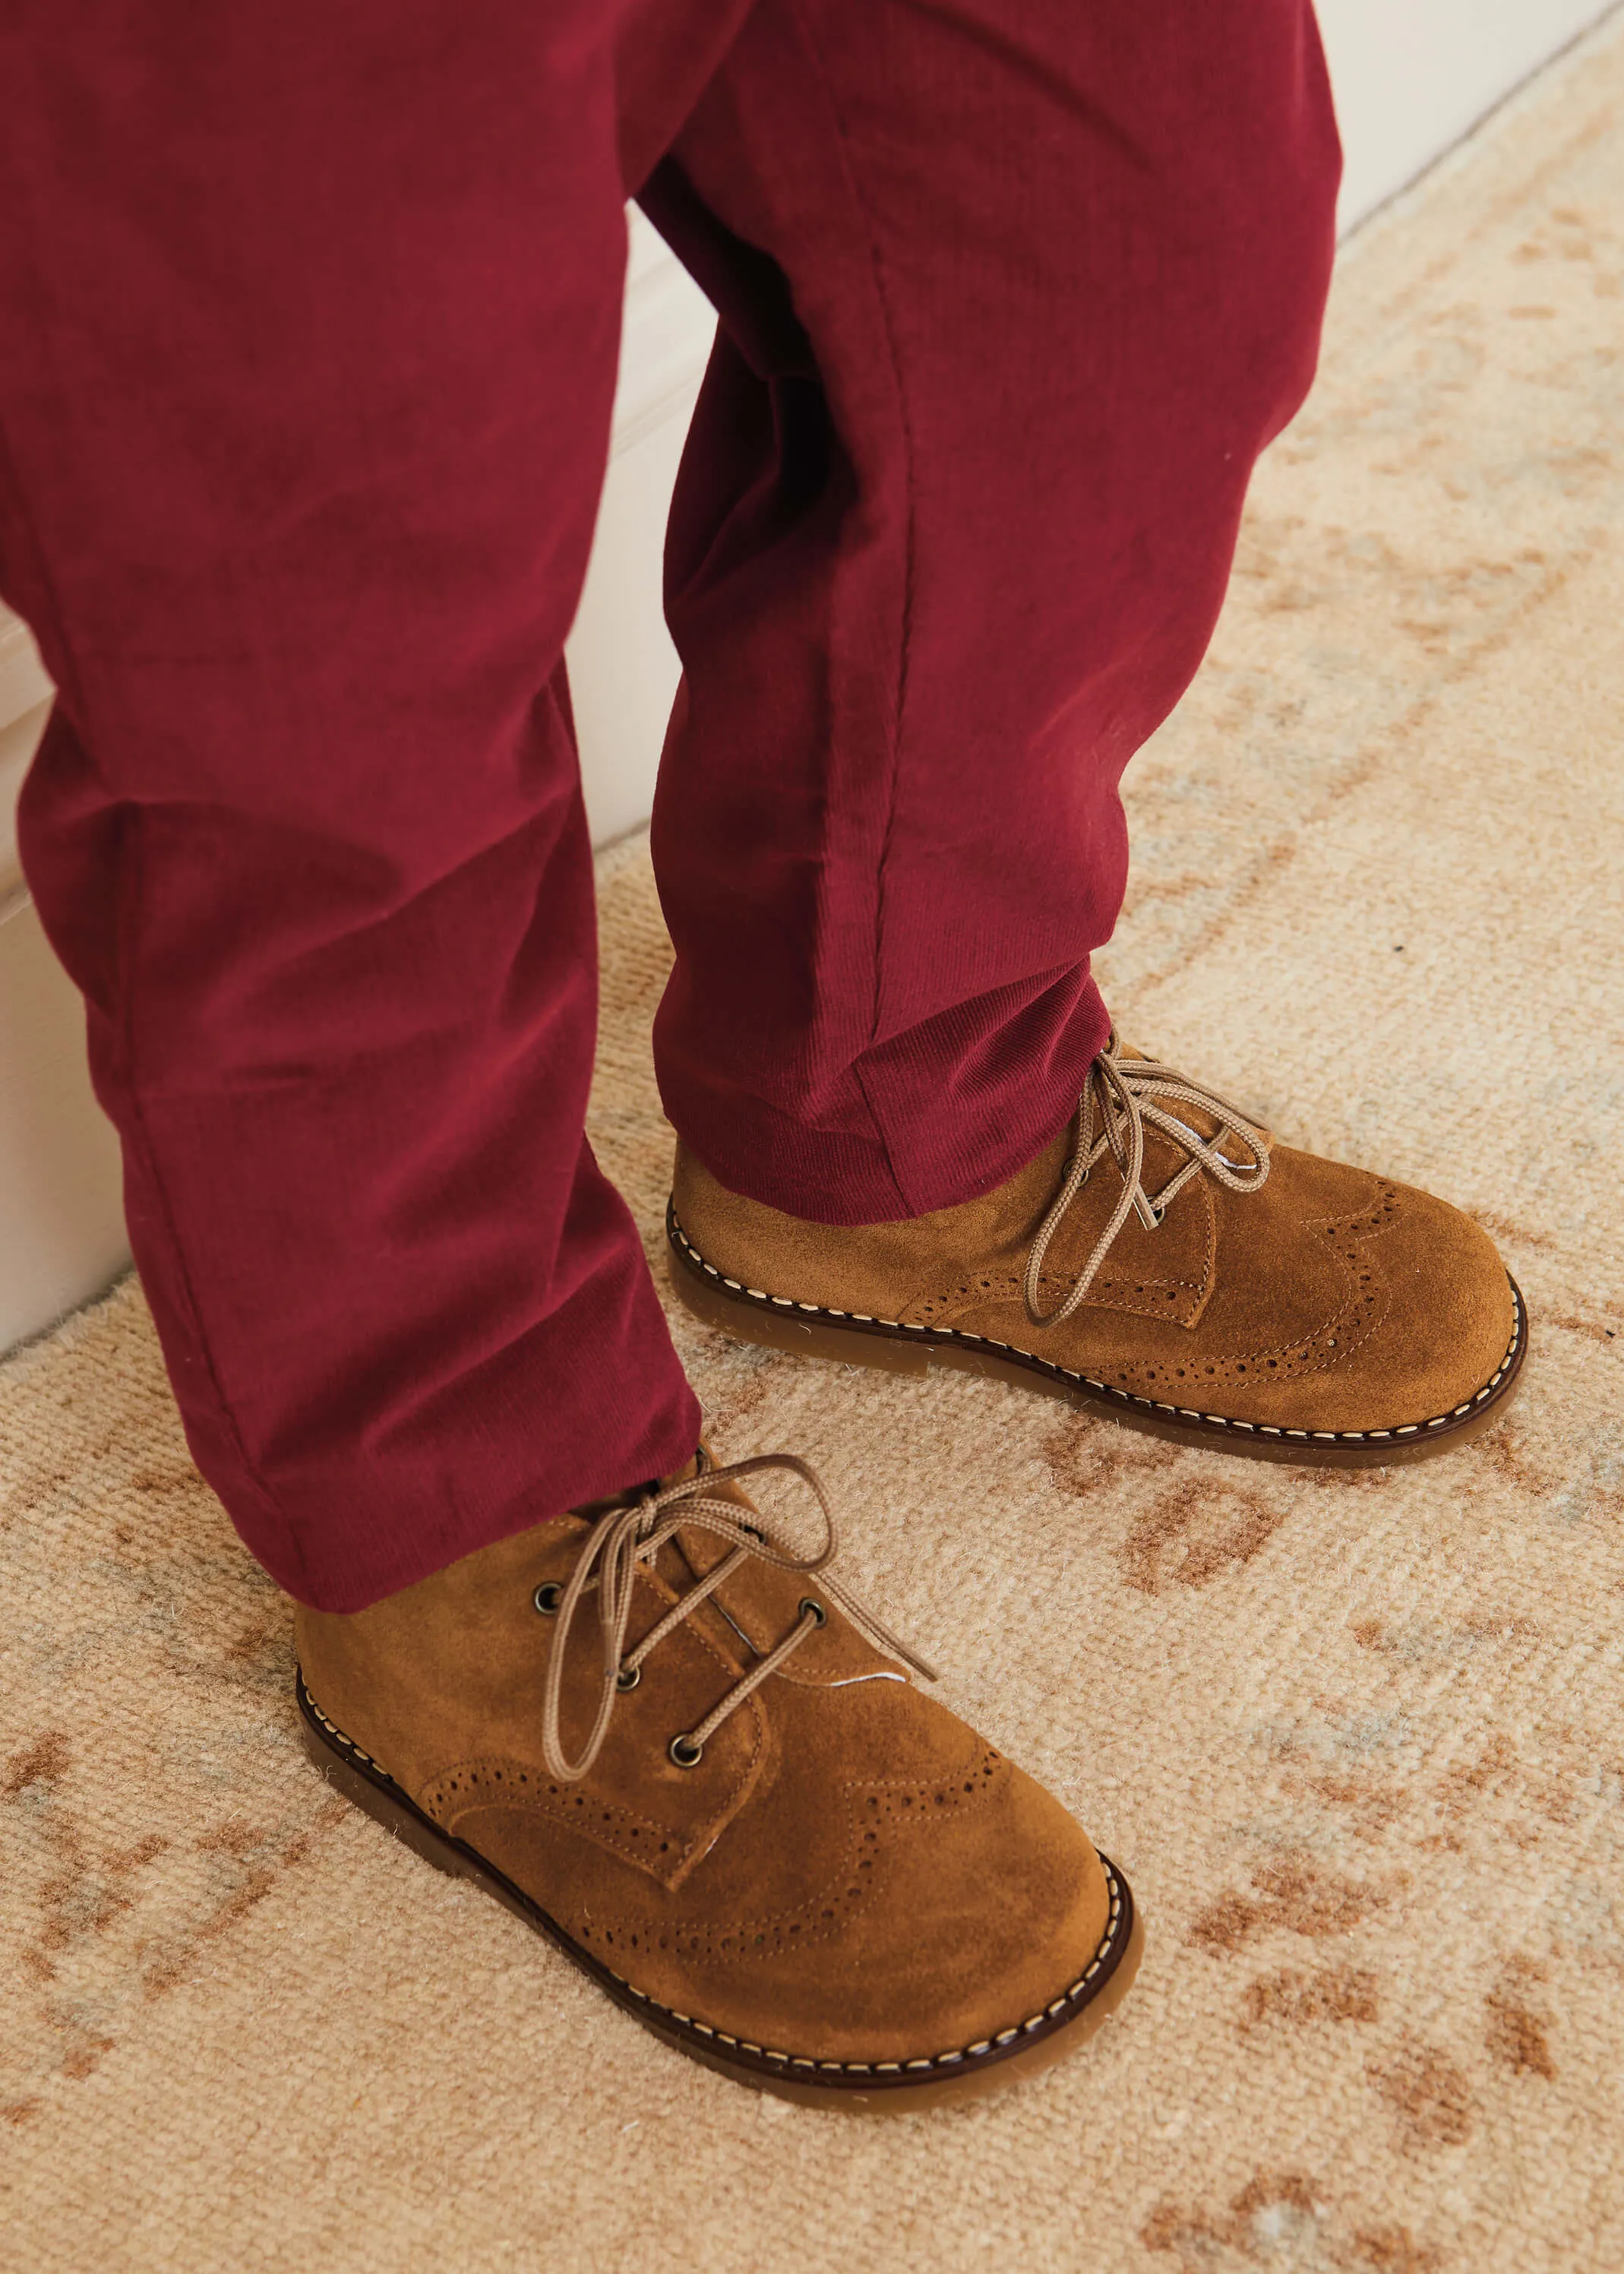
1161 1262
724 1800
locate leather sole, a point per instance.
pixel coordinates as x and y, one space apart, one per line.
888 2088
751 1314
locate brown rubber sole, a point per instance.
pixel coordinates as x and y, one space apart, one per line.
751 1314
885 2087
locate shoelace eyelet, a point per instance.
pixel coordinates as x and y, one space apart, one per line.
686 1753
547 1598
628 1677
820 1616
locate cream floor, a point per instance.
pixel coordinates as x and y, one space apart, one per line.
1360 1741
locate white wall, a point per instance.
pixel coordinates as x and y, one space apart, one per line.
622 666
1410 76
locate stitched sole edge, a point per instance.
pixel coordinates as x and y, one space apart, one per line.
808 1330
877 2088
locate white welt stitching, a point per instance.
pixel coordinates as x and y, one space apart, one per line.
1127 1396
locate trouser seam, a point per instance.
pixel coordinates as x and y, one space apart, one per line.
904 625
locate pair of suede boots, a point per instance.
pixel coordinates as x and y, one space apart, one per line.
673 1742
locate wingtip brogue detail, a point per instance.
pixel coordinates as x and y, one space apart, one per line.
848 1896
1167 1263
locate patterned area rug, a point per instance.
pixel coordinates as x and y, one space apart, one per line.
1359 1738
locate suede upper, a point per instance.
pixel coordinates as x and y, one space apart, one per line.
850 1873
1328 1300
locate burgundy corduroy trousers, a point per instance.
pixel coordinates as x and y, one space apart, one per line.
308 330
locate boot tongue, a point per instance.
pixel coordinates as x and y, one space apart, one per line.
676 1570
761 1603
1204 1125
750 1614
740 1614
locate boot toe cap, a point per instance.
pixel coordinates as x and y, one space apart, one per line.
1453 1319
968 1927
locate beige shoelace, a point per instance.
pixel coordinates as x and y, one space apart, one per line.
1131 1093
628 1538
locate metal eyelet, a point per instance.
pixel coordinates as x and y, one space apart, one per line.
820 1616
685 1752
628 1677
547 1598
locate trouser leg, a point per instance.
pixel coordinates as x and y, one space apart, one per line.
310 332
304 401
1013 296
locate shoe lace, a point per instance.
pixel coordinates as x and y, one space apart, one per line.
1131 1093
625 1540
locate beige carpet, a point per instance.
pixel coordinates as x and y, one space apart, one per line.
1360 1740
